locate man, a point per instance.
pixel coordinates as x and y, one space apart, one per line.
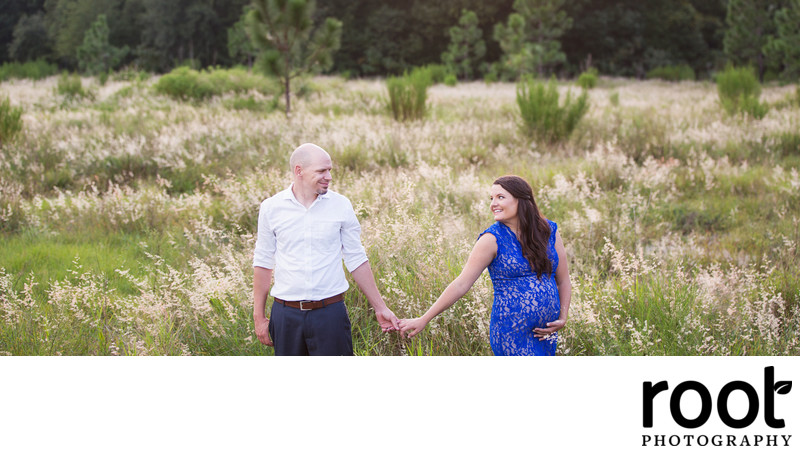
304 232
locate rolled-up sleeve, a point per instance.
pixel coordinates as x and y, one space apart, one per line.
264 255
353 251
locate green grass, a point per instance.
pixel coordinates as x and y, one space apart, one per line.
50 257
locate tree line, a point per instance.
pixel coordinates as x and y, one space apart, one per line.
501 38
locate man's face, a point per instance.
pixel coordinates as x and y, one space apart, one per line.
316 175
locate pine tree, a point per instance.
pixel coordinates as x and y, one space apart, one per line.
96 55
536 42
466 49
240 46
517 56
30 39
281 29
785 46
750 27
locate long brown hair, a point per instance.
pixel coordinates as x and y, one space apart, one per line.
534 230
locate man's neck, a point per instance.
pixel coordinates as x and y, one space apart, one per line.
305 199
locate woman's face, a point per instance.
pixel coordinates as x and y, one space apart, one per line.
503 205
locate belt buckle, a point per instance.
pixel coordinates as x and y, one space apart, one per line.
301 305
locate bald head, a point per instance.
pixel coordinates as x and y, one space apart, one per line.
311 168
305 154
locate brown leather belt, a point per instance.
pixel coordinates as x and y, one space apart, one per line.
307 305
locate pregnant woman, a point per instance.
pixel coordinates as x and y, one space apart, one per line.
528 267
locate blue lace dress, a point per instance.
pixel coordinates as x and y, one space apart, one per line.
522 301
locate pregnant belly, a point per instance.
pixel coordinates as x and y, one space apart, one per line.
526 305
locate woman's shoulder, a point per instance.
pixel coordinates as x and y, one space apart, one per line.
493 229
553 229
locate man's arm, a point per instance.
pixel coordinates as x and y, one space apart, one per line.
366 283
262 279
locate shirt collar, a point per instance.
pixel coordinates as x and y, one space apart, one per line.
289 195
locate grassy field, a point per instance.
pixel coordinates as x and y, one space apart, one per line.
127 218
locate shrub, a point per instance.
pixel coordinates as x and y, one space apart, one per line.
253 105
240 80
130 74
186 83
752 107
543 118
739 90
305 87
437 73
70 86
451 80
588 79
408 94
10 121
35 70
613 98
674 73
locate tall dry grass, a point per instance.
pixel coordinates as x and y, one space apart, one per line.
128 219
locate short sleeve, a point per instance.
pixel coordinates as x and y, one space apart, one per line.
492 229
353 251
264 254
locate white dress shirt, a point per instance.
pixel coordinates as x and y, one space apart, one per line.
305 247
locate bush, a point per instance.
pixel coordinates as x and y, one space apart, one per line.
130 74
35 70
70 86
408 94
613 98
543 118
739 90
253 105
674 73
10 121
186 83
451 80
437 73
752 107
588 79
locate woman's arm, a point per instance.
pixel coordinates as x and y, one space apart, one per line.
564 291
482 254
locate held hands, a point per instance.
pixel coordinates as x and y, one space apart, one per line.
552 327
388 321
262 331
413 325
